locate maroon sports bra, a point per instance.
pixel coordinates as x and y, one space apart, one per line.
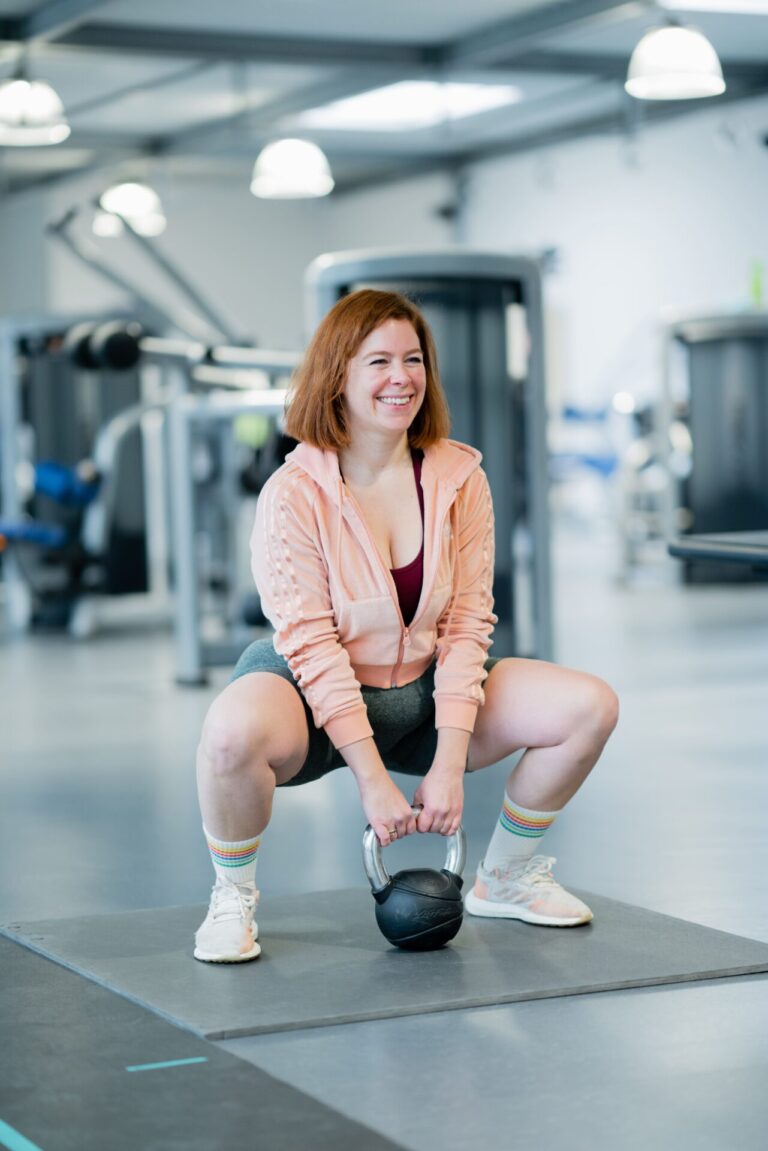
408 579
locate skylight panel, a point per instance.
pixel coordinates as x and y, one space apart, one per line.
410 105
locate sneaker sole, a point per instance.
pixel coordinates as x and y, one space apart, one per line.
486 909
208 957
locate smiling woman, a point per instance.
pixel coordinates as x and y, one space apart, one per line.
373 555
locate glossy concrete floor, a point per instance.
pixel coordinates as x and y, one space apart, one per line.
99 814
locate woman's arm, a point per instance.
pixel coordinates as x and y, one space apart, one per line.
441 792
464 630
464 636
292 578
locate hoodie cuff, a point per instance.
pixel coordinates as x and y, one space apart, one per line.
461 713
349 727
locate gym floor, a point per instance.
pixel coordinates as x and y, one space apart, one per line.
99 815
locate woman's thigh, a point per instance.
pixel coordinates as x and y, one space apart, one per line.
531 703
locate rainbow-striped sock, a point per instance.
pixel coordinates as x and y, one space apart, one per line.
516 835
234 862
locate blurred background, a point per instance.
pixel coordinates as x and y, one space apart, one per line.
575 193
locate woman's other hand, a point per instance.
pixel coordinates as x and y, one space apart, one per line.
441 798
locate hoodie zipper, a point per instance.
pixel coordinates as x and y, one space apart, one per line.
405 633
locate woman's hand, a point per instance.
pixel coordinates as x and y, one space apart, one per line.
441 796
386 808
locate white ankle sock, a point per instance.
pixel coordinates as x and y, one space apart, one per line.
516 836
234 862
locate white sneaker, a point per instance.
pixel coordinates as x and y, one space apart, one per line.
229 932
528 892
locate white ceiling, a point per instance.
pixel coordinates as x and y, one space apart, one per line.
201 86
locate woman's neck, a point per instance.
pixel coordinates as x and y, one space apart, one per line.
364 465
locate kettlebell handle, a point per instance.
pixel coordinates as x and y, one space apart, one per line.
378 876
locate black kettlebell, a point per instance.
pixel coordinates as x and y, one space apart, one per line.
418 909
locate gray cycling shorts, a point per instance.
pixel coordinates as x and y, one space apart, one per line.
402 718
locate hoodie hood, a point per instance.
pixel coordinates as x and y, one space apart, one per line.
451 462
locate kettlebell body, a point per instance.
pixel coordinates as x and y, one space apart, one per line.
418 909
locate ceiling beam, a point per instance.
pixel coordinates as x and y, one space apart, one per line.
518 33
605 124
54 19
167 79
212 45
264 117
481 49
612 123
610 66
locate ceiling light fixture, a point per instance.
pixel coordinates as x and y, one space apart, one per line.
291 170
410 105
132 201
31 114
674 63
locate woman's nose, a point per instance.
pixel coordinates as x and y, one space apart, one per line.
398 372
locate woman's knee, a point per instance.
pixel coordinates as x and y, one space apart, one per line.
600 708
227 741
246 728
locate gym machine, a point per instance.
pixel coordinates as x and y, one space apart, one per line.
715 399
216 437
486 315
67 448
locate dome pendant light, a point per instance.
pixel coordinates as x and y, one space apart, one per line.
291 170
31 114
674 63
135 202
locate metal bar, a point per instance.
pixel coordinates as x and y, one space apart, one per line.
178 76
349 82
17 596
211 44
256 358
189 658
55 18
537 467
181 282
89 256
519 32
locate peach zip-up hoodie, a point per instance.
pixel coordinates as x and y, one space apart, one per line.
333 604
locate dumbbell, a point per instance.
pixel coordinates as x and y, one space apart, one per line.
113 345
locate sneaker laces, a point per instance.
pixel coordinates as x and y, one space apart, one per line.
535 872
231 901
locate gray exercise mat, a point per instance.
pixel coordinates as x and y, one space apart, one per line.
324 962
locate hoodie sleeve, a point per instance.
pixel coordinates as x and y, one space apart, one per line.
292 578
464 630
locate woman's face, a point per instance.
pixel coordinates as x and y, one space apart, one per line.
386 381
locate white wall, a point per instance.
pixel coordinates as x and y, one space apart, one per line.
22 255
246 256
677 231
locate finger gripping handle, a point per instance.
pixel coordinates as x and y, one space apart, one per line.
378 876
